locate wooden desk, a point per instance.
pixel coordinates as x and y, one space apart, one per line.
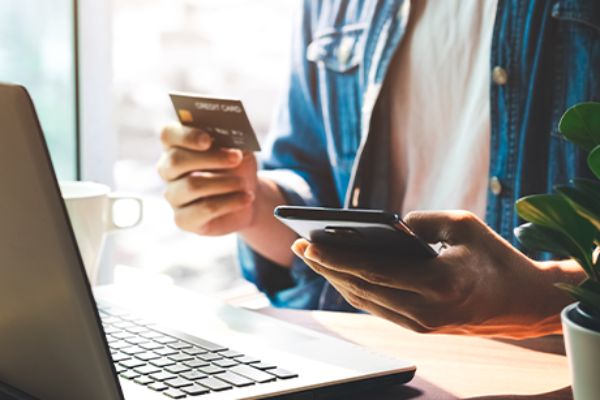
451 367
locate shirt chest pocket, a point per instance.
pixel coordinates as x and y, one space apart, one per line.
337 54
577 15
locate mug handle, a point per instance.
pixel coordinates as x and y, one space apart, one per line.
114 199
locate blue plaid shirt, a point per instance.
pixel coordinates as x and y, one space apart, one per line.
328 144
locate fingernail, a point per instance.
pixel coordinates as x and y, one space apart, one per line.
204 139
298 248
250 196
234 156
312 253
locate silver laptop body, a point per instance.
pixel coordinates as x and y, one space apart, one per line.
57 340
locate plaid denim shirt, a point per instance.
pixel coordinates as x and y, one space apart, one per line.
328 145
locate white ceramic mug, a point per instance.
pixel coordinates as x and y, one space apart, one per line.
91 211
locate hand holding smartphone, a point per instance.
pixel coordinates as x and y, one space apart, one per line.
375 231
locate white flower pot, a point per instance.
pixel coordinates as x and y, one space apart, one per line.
583 352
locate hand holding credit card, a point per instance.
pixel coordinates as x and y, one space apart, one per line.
225 120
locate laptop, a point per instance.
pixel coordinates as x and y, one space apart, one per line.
61 341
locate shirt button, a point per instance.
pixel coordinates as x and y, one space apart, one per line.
499 75
495 185
355 197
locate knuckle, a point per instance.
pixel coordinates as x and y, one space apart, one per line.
372 276
432 321
165 134
421 329
210 206
173 157
355 301
181 221
463 219
358 287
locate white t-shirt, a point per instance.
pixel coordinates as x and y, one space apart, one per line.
440 107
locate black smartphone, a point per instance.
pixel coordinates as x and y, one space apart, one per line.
376 231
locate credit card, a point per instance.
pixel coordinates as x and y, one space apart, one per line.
223 119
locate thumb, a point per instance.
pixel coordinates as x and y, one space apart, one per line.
450 227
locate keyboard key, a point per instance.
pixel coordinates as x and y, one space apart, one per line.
235 379
210 346
117 357
264 366
162 362
247 360
195 390
151 346
137 340
181 357
158 386
194 351
177 368
143 380
178 383
120 368
129 374
133 363
137 329
164 339
110 320
147 370
225 363
214 384
111 330
196 363
193 375
252 373
151 334
121 344
133 350
231 354
147 356
124 325
174 393
121 335
166 351
179 345
282 373
162 376
209 357
211 370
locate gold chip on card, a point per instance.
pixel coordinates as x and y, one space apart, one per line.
185 115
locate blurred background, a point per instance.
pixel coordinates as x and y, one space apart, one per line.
131 53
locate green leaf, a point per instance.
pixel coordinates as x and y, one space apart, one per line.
594 161
585 202
536 237
587 295
552 211
580 124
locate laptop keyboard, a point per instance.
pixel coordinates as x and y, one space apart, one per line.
179 365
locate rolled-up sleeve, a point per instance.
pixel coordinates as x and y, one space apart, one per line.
296 159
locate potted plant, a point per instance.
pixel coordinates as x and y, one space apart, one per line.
567 223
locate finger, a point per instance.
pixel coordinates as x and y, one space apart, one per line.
176 135
400 316
407 274
299 247
443 226
389 315
195 216
194 186
404 302
177 162
227 223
